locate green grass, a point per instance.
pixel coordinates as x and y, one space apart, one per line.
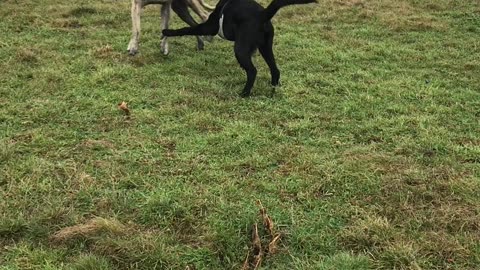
367 157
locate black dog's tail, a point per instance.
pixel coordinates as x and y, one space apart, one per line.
275 5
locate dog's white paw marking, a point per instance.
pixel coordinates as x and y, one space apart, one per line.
164 47
132 47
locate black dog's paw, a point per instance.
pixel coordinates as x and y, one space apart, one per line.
168 32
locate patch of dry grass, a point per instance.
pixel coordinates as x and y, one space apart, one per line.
433 202
91 228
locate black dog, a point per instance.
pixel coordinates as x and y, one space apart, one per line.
248 24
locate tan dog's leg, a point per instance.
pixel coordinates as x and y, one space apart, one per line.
135 12
165 16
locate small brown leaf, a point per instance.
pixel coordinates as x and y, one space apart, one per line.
123 106
272 246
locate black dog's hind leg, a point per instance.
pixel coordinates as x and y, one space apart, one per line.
243 52
181 9
266 50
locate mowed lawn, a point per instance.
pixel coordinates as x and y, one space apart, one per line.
367 156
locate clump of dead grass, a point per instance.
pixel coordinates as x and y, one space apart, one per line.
91 228
103 51
367 232
399 254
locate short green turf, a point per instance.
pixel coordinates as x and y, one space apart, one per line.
367 156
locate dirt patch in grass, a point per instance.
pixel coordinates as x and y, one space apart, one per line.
103 51
82 11
90 143
66 23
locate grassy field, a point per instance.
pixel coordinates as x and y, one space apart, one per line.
367 157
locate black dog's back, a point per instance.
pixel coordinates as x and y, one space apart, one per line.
238 14
249 9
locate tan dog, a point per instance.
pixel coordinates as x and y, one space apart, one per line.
178 6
